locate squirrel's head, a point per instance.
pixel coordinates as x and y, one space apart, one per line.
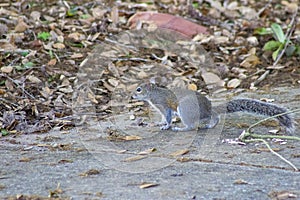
142 91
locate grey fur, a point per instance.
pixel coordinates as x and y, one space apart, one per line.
262 108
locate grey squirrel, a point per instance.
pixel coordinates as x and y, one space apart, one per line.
195 110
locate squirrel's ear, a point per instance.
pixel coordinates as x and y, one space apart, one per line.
148 86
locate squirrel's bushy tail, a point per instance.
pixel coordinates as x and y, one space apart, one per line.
262 108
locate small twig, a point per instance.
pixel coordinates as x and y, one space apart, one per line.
264 8
8 102
287 36
18 51
17 84
131 59
272 151
57 57
261 78
260 138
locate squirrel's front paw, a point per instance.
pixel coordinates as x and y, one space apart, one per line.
166 127
176 129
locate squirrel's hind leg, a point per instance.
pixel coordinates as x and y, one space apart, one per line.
188 116
214 120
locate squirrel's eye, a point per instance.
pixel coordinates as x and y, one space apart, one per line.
138 89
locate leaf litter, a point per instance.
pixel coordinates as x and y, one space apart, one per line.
42 46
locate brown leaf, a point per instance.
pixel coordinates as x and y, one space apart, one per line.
7 69
148 151
33 79
240 182
2 91
291 7
92 97
220 39
233 83
46 92
77 37
52 62
212 78
282 195
148 185
25 159
132 137
134 158
98 12
77 55
21 26
35 15
192 86
180 152
62 161
7 46
59 46
114 15
251 59
90 172
2 187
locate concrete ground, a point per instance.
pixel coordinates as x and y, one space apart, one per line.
84 164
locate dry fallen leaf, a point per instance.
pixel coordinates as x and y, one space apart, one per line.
35 15
180 152
66 90
21 26
62 161
59 46
76 55
98 12
52 62
2 91
192 86
132 137
113 82
134 158
2 187
240 182
148 185
233 83
274 131
220 39
291 7
282 195
7 69
148 151
251 59
25 159
90 172
211 78
46 92
77 37
33 79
